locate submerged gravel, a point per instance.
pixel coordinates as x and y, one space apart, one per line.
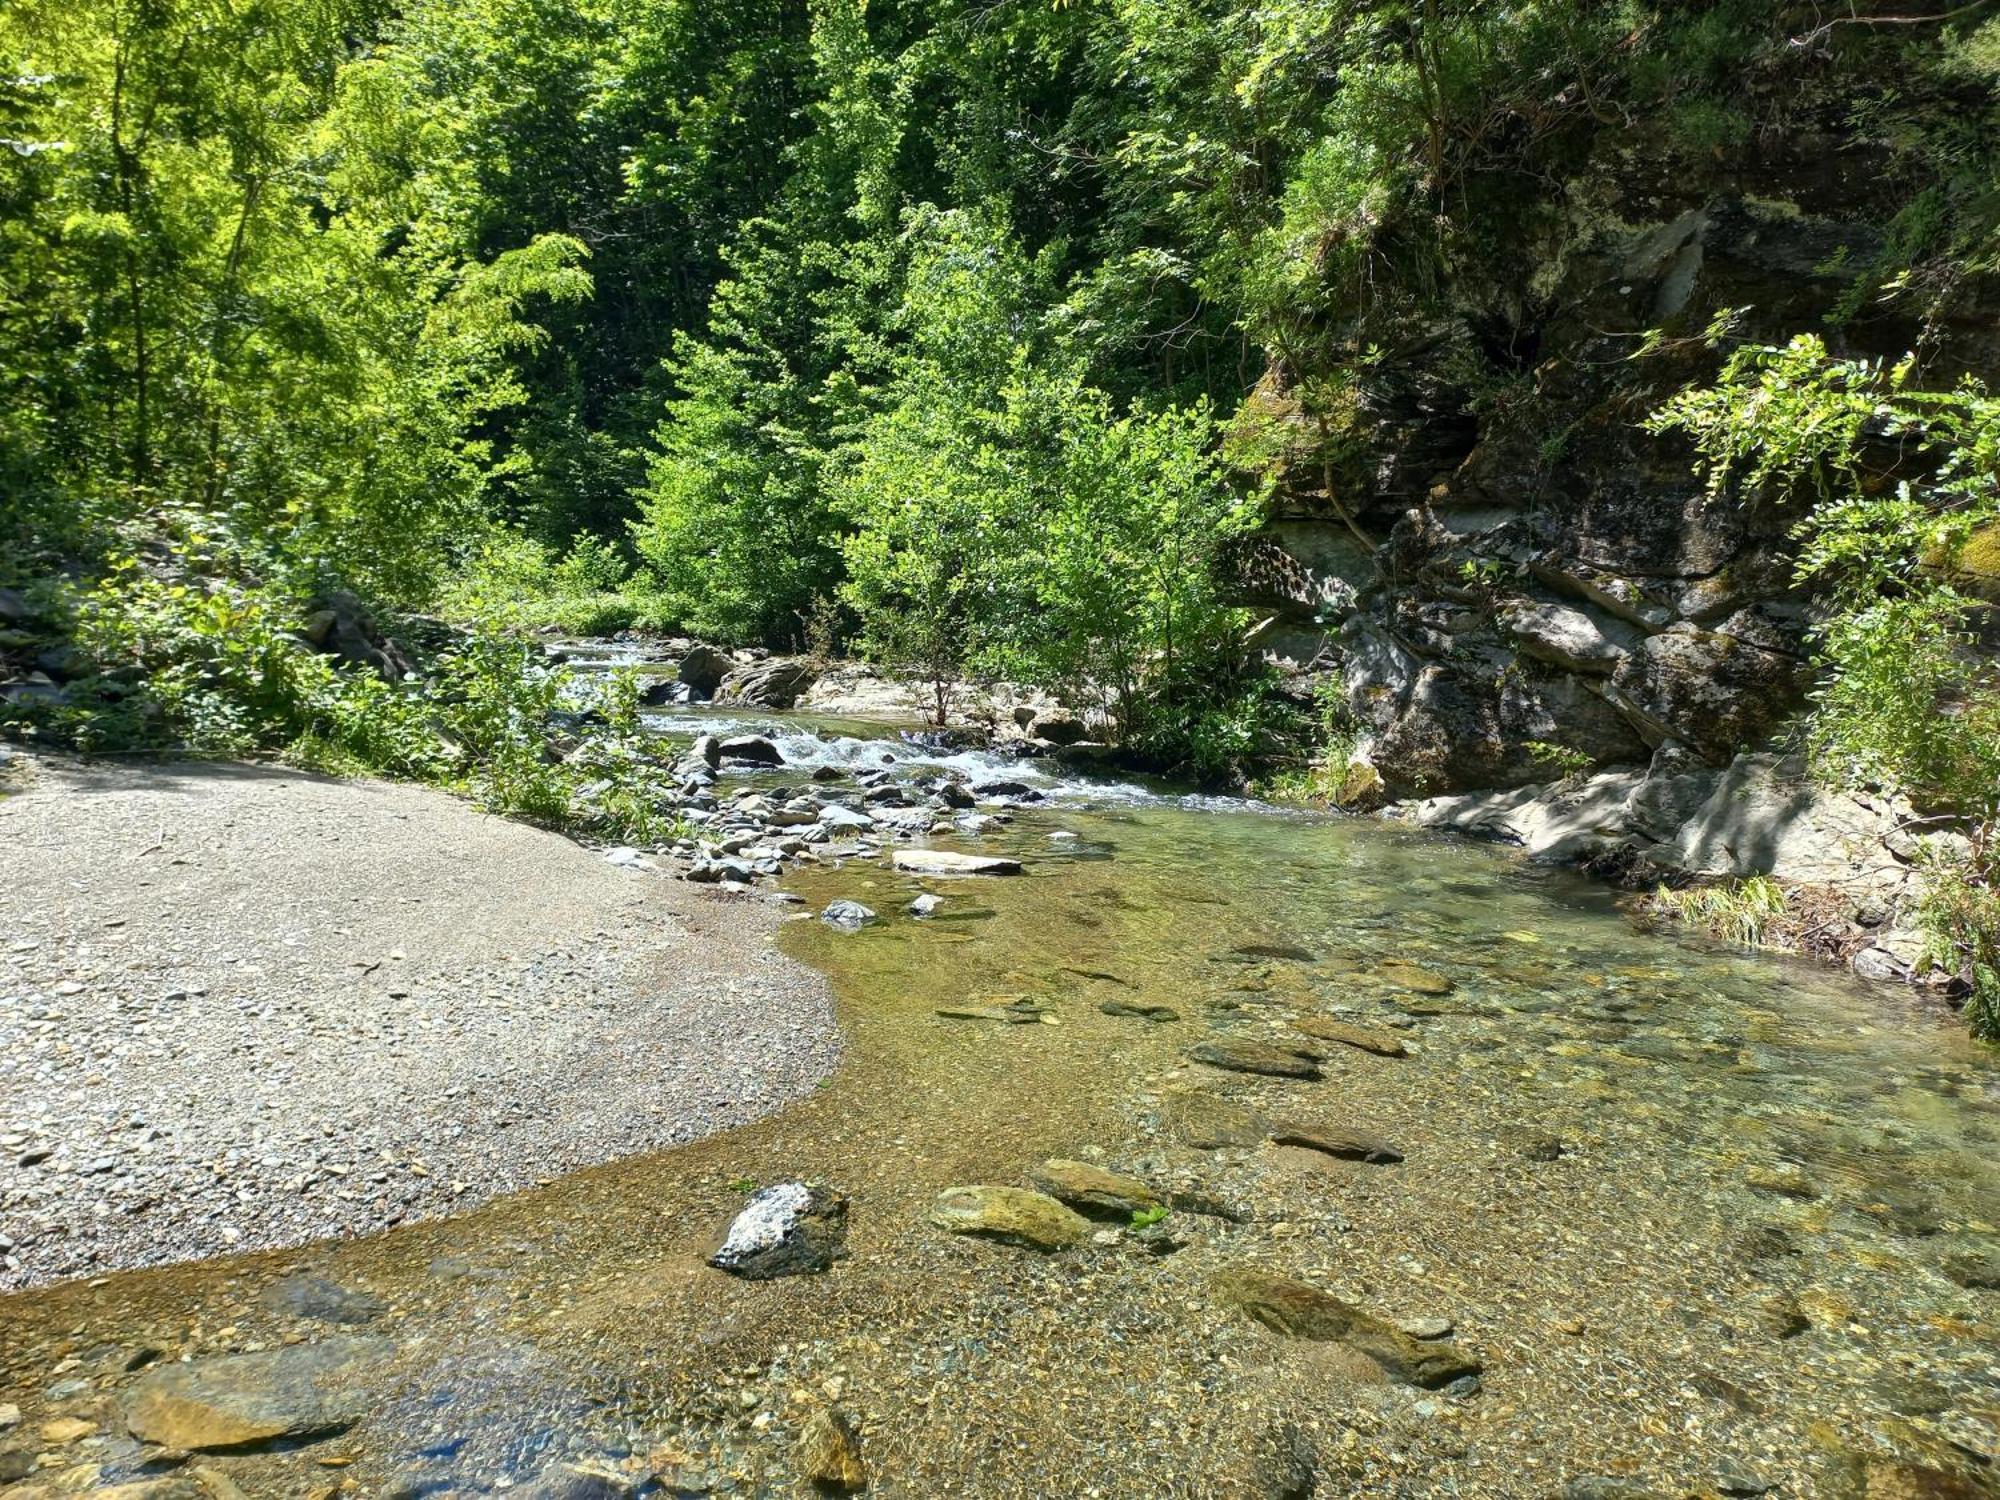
249 1007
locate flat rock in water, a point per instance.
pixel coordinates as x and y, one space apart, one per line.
1270 1059
1020 1014
1209 1122
1015 1216
1348 1145
1299 1311
239 1400
1411 977
1379 1042
1093 1190
1138 1010
787 1229
315 1297
951 862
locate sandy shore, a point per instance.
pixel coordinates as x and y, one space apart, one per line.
245 1007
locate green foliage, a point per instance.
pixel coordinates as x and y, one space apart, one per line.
1906 696
1741 911
1959 915
1146 1218
1560 760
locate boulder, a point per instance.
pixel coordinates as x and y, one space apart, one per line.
751 750
787 1229
339 625
702 670
297 1393
778 683
1717 693
950 862
1014 1216
1057 727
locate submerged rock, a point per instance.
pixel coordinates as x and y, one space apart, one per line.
1139 1010
325 1301
1412 977
1299 1311
829 1451
1348 1145
950 862
1271 1059
787 1229
1378 1042
848 916
1093 1190
1014 1216
1208 1122
239 1400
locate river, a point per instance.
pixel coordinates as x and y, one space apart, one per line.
1705 1221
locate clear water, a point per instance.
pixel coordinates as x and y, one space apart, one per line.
1734 1272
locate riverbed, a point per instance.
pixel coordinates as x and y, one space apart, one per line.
1689 1220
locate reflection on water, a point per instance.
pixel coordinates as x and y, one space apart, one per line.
1710 1221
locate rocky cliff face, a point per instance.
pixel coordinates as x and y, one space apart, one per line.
1542 582
1541 590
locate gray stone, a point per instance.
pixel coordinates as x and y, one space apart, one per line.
849 916
1563 636
951 862
750 749
703 669
787 1229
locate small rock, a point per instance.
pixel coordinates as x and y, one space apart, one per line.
829 1451
1015 1216
64 1430
924 905
1426 1328
848 916
1784 1180
787 1229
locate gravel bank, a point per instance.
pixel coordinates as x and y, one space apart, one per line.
246 1007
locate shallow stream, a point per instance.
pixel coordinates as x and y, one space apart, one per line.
1710 1221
